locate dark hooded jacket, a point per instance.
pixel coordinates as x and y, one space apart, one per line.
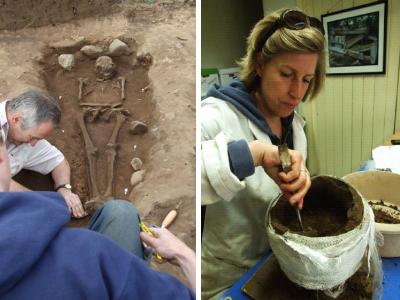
40 258
240 159
237 94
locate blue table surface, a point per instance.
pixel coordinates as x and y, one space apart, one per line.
391 280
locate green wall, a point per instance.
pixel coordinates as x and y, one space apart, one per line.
225 25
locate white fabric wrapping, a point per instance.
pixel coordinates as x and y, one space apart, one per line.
323 263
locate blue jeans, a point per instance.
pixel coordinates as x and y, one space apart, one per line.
119 220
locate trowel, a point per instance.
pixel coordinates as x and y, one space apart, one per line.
286 164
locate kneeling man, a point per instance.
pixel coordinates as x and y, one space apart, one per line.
26 121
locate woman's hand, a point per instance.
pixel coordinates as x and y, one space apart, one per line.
295 183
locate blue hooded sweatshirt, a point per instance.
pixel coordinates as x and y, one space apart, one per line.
237 94
240 159
40 258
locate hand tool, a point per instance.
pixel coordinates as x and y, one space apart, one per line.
147 230
286 163
171 216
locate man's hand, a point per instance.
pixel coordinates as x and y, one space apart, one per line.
173 250
294 184
62 174
73 202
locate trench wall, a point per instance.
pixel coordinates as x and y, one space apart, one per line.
15 14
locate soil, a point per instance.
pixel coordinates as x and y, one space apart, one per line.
29 13
330 208
137 105
382 216
160 92
271 281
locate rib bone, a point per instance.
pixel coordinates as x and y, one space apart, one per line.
111 153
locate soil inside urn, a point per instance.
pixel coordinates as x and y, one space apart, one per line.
331 207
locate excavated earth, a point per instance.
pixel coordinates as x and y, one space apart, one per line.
382 216
160 92
330 208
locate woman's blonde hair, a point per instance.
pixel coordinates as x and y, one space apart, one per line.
306 40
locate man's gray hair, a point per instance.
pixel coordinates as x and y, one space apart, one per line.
36 107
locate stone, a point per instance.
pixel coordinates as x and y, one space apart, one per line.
137 127
69 44
137 177
118 48
67 61
136 163
92 51
105 67
144 59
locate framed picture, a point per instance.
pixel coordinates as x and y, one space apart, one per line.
356 39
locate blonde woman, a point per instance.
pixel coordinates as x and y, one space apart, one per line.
242 124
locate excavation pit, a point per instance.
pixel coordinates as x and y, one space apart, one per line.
159 73
83 94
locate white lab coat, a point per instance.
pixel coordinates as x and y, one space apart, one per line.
234 237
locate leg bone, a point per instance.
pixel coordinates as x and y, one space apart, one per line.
91 152
82 82
122 79
111 153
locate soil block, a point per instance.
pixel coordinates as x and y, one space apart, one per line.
331 207
385 212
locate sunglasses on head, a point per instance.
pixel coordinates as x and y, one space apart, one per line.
294 20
